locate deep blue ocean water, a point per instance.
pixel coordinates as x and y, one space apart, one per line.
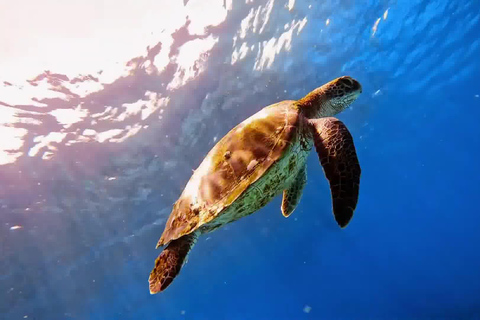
90 168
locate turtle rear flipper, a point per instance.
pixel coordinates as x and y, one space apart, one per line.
169 262
291 196
335 148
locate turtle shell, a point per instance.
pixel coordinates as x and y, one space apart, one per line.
239 159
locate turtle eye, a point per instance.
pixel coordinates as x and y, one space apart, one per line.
347 82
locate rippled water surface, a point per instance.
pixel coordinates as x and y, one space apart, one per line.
107 107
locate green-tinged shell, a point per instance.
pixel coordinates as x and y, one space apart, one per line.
238 160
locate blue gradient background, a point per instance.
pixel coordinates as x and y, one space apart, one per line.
411 251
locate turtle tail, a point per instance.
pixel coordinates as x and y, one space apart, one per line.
170 261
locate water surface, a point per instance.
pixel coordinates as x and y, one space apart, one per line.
106 108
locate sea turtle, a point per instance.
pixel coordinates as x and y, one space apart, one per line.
258 159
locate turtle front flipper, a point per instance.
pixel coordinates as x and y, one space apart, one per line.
170 261
291 196
335 148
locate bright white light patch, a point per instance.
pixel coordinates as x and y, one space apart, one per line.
116 31
217 13
385 14
67 117
45 141
274 46
375 26
291 3
190 61
240 53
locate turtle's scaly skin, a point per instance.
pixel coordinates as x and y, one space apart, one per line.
260 158
291 196
171 261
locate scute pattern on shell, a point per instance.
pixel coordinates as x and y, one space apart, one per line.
234 165
278 177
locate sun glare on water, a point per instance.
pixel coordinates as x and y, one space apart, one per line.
81 48
69 68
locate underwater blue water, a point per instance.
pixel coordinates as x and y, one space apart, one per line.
82 209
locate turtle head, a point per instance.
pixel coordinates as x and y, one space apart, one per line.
331 98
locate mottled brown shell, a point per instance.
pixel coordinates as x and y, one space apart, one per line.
239 159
